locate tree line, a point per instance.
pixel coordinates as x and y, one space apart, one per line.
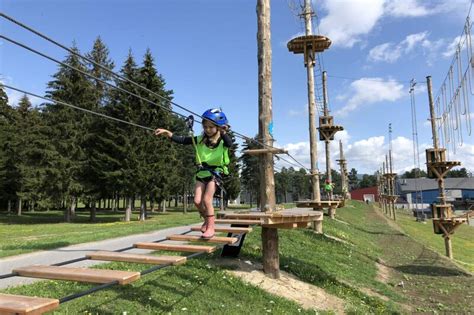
53 156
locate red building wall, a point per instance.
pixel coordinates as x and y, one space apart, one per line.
358 194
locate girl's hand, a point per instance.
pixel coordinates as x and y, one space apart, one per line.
165 132
223 130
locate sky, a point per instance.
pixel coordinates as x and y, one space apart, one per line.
206 50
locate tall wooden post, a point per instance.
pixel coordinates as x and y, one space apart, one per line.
327 142
271 260
313 142
442 196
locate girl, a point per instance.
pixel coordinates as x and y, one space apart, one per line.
212 157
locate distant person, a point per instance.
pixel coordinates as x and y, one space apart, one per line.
212 157
328 187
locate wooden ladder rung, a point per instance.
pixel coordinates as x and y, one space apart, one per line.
197 238
226 229
136 258
20 304
176 247
77 274
236 221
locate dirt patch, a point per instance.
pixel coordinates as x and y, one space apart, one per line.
288 286
383 272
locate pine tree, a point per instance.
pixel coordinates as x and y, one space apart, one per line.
68 128
250 171
8 174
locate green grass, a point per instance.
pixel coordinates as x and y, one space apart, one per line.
346 268
47 230
462 240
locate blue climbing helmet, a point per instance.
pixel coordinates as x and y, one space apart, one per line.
216 116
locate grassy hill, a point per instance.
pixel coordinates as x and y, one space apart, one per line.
372 266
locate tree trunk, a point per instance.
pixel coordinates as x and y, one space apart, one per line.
93 211
70 210
185 202
152 204
176 201
128 211
9 207
32 206
18 209
142 208
164 206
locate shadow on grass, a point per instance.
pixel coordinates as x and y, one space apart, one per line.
82 217
385 232
428 270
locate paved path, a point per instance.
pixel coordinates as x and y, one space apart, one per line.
58 255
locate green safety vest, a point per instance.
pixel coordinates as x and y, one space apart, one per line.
328 187
217 157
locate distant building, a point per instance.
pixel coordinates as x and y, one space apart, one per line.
365 194
459 191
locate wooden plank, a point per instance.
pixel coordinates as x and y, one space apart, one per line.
176 247
242 222
19 304
137 258
197 238
226 229
77 274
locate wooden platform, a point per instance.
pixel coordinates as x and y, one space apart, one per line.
197 238
300 44
277 217
235 221
317 204
176 247
77 274
18 304
136 258
226 229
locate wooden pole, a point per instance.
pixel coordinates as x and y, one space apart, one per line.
432 113
442 196
311 107
327 142
271 259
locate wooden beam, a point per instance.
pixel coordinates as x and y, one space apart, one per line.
137 258
197 238
241 222
19 304
226 229
77 274
176 247
281 226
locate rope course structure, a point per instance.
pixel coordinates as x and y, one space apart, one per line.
454 98
119 77
239 222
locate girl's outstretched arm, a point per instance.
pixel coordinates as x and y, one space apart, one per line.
165 132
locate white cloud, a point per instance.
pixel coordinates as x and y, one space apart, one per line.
391 52
451 49
406 8
367 91
347 21
367 155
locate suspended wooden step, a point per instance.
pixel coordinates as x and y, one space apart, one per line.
226 229
176 247
197 238
77 274
19 304
241 222
136 258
